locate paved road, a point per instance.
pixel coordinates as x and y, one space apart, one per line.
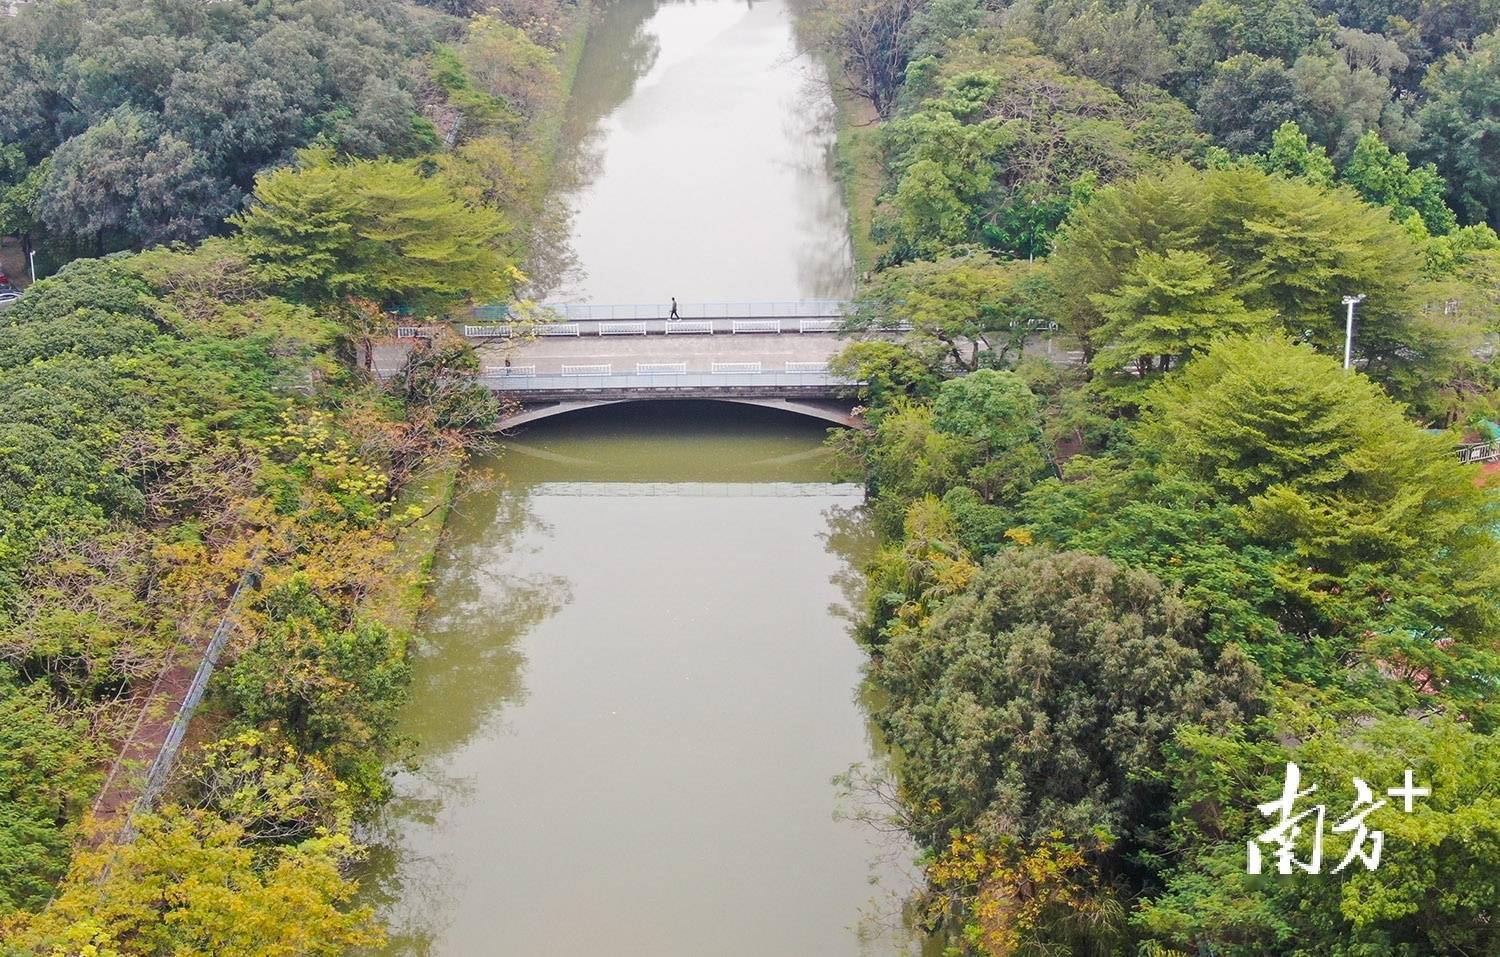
623 352
772 351
698 352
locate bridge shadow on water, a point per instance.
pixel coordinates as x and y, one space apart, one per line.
677 441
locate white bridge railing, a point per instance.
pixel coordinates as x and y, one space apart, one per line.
663 327
819 325
763 309
501 331
756 325
658 375
622 328
562 318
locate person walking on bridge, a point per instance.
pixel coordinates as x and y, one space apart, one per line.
673 314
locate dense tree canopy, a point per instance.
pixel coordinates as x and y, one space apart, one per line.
1026 703
1269 527
999 114
373 229
1260 248
1005 145
155 118
1460 123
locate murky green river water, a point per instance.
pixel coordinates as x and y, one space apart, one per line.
637 683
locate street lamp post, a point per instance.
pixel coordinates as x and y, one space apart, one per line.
1350 302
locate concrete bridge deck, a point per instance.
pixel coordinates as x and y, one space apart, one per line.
695 354
773 355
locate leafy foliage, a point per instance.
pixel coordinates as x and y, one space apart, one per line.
46 775
1401 907
1278 246
373 229
189 883
1026 703
150 122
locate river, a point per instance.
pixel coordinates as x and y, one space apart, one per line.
636 683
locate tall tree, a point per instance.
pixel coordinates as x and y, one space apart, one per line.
1246 98
965 310
373 229
873 40
1388 179
1030 701
1167 308
1288 245
1461 127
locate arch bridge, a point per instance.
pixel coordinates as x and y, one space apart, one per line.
564 357
817 395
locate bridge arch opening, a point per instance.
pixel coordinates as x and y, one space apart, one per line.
830 411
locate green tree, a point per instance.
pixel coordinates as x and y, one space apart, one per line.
154 121
334 689
1246 99
1435 889
889 371
1035 699
1166 309
1339 99
1120 48
903 458
47 777
964 311
20 194
1388 179
1288 245
997 420
1006 145
126 181
1460 123
373 229
1391 542
1216 30
1292 154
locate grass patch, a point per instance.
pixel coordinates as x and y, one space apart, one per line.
549 137
860 173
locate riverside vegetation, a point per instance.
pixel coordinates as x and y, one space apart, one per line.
1118 595
177 416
